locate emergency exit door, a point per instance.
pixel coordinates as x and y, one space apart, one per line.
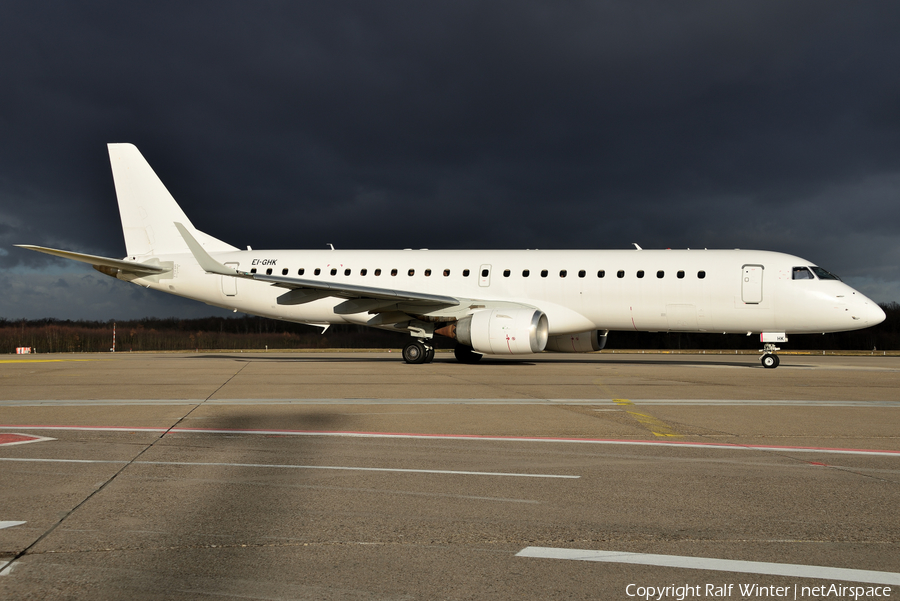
229 283
752 284
484 276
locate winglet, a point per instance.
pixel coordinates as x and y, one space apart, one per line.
208 264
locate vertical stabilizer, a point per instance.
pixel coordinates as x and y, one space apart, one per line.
148 211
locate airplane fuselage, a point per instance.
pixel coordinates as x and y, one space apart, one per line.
646 290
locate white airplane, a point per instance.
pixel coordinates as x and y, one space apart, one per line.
502 302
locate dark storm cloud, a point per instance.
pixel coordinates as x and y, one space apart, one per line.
407 124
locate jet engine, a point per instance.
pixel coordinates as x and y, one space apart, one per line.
582 342
501 331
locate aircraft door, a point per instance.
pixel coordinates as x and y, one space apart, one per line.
229 284
484 275
752 284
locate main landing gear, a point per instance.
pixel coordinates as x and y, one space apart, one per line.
418 351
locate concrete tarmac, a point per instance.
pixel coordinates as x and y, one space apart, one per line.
356 476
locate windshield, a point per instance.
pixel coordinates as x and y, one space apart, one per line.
823 274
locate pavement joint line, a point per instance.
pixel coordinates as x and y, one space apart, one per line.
475 437
5 568
721 565
290 466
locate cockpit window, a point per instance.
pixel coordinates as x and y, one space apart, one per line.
823 274
802 273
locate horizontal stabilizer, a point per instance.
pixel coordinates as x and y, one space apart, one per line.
129 266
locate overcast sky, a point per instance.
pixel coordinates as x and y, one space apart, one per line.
770 125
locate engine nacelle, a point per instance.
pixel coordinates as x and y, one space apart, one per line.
582 342
504 332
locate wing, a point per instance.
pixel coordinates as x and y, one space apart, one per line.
360 298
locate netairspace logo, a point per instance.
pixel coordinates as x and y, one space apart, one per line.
750 591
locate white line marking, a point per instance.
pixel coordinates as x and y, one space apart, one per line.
475 437
451 401
720 565
295 467
10 524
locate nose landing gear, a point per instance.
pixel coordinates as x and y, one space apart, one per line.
770 360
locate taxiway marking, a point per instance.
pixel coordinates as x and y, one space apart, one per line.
449 401
479 437
656 426
294 467
10 438
44 360
711 563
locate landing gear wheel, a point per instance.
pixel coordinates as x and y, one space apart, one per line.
770 361
465 354
429 355
414 352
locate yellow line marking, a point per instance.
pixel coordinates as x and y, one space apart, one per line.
41 360
656 426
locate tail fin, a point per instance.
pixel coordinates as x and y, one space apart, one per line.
148 211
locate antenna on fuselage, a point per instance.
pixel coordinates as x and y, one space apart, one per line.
636 246
331 245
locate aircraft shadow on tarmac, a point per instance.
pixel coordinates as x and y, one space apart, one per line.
608 360
232 502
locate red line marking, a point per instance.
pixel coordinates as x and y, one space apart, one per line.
11 438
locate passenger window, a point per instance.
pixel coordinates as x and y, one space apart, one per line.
620 274
333 271
411 272
446 273
346 272
253 270
543 273
562 273
465 273
640 273
484 273
377 272
300 271
393 272
701 274
680 275
801 273
601 273
525 273
363 271
269 271
506 273
660 274
317 271
427 273
582 273
284 271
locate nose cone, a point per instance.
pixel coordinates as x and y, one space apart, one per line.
874 314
